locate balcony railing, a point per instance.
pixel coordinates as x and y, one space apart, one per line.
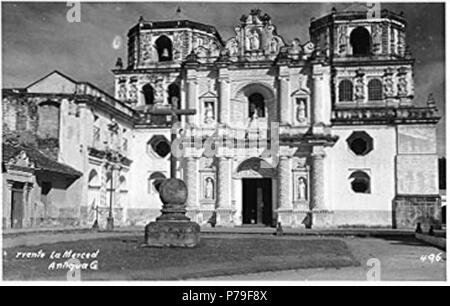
385 115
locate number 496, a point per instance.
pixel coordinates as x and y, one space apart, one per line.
432 258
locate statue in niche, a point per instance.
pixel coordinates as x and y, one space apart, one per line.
233 48
209 112
301 110
209 189
301 189
254 41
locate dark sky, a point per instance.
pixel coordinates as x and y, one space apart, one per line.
37 38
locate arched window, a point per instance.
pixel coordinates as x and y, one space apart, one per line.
375 90
360 182
174 96
256 107
345 91
360 41
149 94
154 180
164 47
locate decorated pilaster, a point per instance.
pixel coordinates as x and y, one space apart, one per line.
7 198
224 99
317 179
285 109
190 178
284 172
285 204
29 209
321 98
320 214
191 94
224 208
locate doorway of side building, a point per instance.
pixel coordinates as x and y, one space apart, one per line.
257 201
17 209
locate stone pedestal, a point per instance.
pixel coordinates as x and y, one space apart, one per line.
172 228
285 217
225 217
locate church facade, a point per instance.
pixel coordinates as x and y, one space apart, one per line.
324 133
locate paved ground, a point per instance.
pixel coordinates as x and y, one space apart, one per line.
400 260
399 255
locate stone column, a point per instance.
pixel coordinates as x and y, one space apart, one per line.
317 181
284 106
224 209
224 183
190 178
191 98
224 100
7 204
321 96
284 183
27 207
224 96
317 99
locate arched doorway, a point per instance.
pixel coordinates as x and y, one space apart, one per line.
360 41
257 197
164 48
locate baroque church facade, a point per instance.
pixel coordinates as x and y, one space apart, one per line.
324 133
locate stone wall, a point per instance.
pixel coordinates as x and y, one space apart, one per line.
33 121
410 210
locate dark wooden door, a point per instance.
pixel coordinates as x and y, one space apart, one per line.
17 208
257 201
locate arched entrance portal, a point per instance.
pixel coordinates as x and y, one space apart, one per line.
257 197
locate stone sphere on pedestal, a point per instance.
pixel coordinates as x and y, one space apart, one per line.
173 191
173 228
